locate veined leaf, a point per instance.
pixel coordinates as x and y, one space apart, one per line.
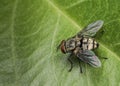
30 31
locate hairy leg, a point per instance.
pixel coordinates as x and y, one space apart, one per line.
69 59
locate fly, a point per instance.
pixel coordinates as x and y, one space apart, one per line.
82 44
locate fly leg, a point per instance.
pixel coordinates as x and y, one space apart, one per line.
69 59
104 58
81 71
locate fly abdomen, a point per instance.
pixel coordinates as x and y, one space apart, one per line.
88 44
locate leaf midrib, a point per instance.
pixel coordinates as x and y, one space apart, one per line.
62 13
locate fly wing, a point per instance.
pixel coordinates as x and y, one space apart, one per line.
89 57
91 29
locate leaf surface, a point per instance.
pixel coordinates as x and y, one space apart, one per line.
30 31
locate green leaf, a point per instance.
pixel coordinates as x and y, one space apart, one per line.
30 31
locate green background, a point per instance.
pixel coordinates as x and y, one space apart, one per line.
30 30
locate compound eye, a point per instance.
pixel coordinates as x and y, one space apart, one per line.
63 49
63 46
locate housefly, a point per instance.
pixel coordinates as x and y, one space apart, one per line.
82 44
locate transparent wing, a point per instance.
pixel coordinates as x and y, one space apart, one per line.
89 57
91 29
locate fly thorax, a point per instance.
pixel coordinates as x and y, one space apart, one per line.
70 45
77 42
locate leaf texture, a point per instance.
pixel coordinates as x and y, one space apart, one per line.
30 31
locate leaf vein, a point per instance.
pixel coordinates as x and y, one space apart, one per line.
12 26
64 14
52 45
